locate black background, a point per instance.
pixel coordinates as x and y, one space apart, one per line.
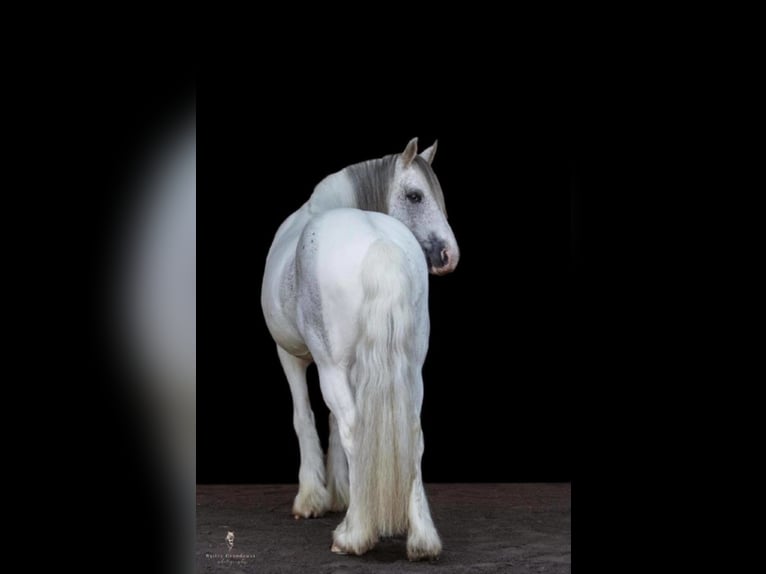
507 328
503 379
510 327
500 376
524 379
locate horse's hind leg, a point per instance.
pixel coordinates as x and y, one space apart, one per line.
337 469
354 535
312 499
423 541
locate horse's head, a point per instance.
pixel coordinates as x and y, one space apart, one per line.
416 199
405 187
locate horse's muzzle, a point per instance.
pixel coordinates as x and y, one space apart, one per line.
441 259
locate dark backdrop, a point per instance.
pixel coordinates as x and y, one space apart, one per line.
506 327
508 376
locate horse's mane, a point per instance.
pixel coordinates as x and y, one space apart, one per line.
372 182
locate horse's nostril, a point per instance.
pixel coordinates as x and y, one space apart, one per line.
444 256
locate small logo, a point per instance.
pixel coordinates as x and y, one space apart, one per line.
229 557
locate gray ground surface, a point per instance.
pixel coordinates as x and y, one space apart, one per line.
515 528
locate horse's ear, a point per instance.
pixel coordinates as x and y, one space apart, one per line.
429 153
410 152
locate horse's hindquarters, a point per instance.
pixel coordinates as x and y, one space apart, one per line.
280 286
330 256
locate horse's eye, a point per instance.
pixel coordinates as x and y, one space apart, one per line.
414 196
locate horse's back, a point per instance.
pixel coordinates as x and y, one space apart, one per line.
330 260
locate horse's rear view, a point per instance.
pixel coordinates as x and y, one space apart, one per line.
346 287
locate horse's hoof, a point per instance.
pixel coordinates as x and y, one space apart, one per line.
311 503
429 552
337 550
418 557
308 515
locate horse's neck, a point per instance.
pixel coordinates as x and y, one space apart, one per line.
333 192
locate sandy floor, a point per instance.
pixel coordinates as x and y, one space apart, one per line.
516 528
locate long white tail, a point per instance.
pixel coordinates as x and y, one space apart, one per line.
383 376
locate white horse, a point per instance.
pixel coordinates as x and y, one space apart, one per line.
346 286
